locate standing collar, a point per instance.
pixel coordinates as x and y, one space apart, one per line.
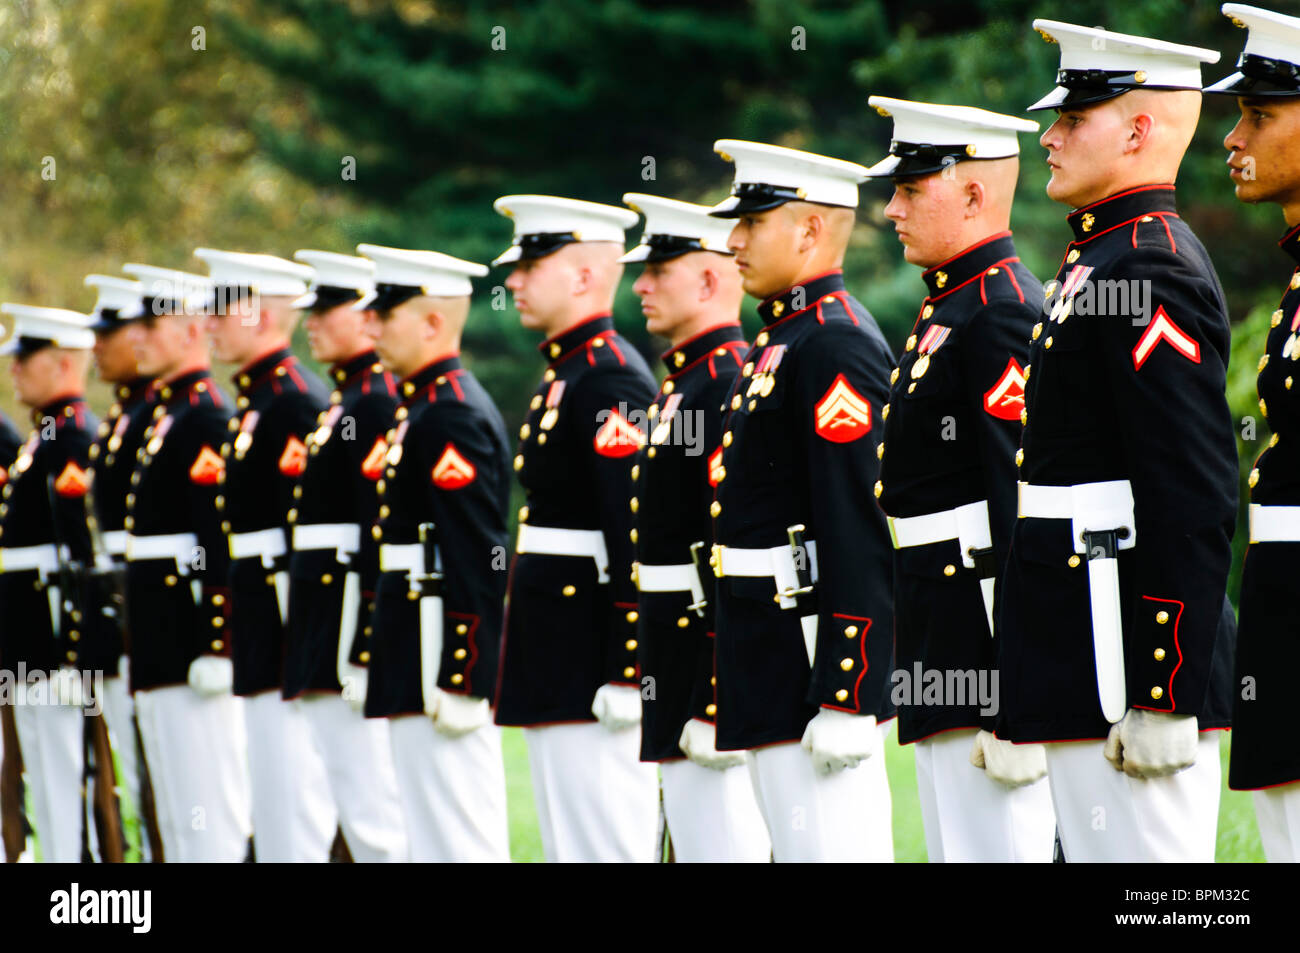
430 374
968 263
344 371
253 374
133 390
60 407
561 345
799 298
1120 209
683 355
1290 243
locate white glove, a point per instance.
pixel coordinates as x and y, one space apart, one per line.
839 739
355 680
124 668
1152 744
617 707
699 743
211 675
456 715
1008 764
67 687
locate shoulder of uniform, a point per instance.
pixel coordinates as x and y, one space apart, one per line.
1008 282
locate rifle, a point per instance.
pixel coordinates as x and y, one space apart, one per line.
96 751
13 824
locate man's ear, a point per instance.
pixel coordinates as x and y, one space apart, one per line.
433 324
1140 128
975 197
708 284
810 230
581 280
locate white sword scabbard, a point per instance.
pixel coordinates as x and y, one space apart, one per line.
430 650
56 608
1107 638
282 595
986 591
348 625
809 624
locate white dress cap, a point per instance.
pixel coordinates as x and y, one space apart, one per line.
35 328
673 228
263 274
546 223
1098 64
336 279
768 176
1270 63
405 273
929 137
119 301
167 291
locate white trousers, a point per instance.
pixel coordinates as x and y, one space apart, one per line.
119 716
841 817
453 791
294 817
50 738
596 800
362 782
712 815
195 750
1278 812
1104 816
969 817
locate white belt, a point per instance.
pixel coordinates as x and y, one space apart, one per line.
968 524
1090 506
115 542
909 531
265 543
1268 524
777 562
553 541
406 557
43 558
177 546
682 577
344 538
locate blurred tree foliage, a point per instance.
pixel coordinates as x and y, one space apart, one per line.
440 106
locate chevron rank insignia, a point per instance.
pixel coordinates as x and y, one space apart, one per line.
616 437
1162 328
73 481
842 415
293 459
453 471
1006 398
207 467
372 467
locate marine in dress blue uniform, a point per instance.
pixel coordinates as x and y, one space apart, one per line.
1265 756
46 546
112 461
177 591
569 666
278 402
690 293
804 603
1115 627
334 561
443 543
948 477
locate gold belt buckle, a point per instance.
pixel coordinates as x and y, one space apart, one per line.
715 559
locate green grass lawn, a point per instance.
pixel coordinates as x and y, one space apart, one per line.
1238 836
